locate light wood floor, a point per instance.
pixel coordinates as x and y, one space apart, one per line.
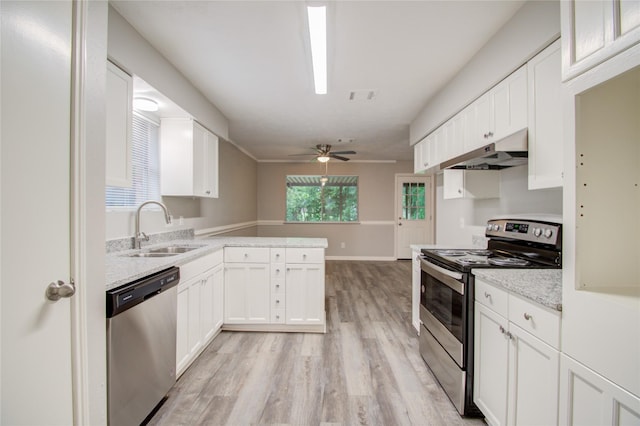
365 370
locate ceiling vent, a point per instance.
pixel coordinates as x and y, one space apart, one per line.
345 140
363 95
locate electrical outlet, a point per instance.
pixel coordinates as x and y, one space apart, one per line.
343 245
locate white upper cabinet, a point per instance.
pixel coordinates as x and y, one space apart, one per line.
119 106
426 152
189 159
596 30
510 104
545 119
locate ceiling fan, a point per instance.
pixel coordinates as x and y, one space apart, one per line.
323 153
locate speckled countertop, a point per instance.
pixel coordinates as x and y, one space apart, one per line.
122 269
543 286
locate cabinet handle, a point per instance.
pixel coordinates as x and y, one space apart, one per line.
277 300
509 335
277 316
487 295
246 255
527 316
277 285
502 330
278 271
208 192
304 256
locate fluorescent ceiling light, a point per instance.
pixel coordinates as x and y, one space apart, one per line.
145 104
318 36
324 158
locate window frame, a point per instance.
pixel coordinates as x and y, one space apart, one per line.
343 222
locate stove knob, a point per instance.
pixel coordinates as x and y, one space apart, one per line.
489 227
537 232
548 233
496 227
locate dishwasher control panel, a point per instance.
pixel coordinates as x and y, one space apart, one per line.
129 295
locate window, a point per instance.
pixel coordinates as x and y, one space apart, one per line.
146 167
309 199
413 203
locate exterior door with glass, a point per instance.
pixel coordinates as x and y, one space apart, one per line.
414 224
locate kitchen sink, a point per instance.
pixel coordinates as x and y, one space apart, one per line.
163 251
173 249
148 254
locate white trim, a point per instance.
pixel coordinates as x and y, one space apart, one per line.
241 149
225 228
79 237
365 222
362 258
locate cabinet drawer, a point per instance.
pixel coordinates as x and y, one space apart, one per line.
278 272
278 316
305 255
277 254
535 319
198 266
246 255
278 301
492 297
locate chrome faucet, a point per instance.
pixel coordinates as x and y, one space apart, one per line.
140 236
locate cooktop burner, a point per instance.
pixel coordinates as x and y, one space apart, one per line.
508 261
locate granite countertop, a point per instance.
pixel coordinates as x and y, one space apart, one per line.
122 269
543 286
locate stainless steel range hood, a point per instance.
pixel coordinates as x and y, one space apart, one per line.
507 152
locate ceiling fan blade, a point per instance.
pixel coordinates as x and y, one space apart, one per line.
343 152
337 157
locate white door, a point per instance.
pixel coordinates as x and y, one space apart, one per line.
414 213
35 368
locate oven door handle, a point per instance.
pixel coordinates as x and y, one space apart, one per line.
451 279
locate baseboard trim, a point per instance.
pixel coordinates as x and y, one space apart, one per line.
363 258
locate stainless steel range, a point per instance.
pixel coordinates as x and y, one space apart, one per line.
447 294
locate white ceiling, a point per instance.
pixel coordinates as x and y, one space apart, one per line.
252 60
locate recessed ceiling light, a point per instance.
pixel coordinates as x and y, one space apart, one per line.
318 36
145 104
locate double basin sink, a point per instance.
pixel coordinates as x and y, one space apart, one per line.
166 251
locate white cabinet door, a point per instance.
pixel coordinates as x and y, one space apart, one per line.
119 97
545 119
207 301
218 297
305 294
189 160
510 105
534 373
491 359
188 339
480 126
417 157
594 31
246 293
587 398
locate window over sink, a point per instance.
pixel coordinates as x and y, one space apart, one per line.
146 167
316 199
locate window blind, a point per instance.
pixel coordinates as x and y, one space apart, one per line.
145 162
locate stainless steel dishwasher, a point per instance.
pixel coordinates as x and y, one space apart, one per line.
141 346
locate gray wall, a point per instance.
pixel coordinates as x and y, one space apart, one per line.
372 238
531 29
237 172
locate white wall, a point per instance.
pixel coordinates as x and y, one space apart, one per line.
531 29
458 220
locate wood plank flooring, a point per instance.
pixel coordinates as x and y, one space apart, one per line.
366 370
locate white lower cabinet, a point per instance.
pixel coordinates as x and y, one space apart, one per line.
590 399
516 373
305 293
246 293
199 310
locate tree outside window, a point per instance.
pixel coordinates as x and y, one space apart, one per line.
314 199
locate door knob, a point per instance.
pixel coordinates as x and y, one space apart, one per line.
57 290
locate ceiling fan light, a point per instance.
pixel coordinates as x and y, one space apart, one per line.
324 158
